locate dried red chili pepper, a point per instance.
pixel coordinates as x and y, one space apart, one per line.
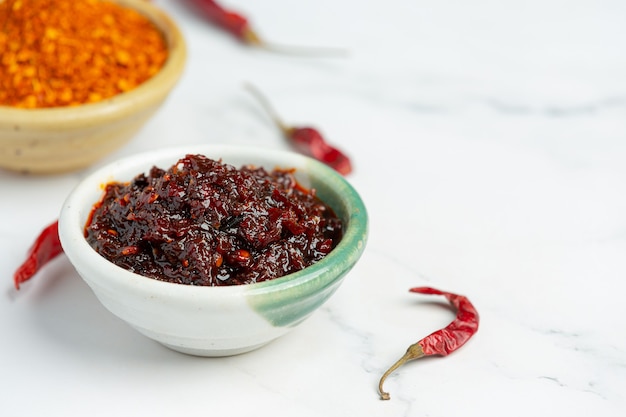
228 20
239 26
441 342
307 140
46 247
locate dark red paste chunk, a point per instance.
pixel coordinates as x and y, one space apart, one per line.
203 222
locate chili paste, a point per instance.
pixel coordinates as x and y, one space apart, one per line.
203 222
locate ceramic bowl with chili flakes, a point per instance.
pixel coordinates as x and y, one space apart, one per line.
208 320
79 79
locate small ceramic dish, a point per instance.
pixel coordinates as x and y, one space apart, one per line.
63 139
215 321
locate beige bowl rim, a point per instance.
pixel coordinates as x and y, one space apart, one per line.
147 93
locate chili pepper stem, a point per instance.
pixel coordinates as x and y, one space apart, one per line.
251 38
413 352
318 51
265 103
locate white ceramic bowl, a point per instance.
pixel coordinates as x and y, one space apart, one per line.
63 139
215 321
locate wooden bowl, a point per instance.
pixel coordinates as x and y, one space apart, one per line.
63 139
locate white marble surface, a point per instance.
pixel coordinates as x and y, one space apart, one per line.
489 144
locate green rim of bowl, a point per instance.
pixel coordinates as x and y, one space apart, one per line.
324 277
